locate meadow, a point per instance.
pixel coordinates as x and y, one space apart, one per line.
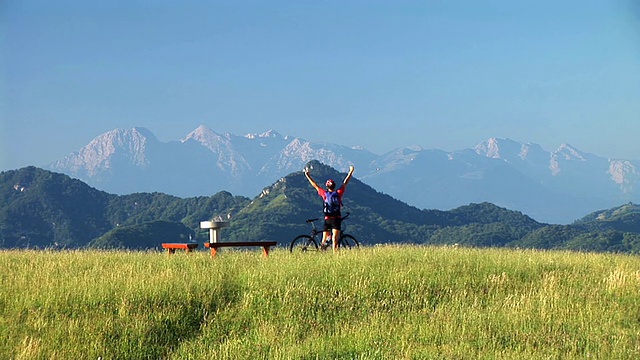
383 302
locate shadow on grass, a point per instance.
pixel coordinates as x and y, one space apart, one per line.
182 320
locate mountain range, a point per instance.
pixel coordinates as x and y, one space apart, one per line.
550 186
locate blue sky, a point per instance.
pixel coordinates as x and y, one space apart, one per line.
377 74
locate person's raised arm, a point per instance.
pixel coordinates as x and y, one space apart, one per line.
311 181
346 179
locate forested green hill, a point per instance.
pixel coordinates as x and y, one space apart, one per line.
42 209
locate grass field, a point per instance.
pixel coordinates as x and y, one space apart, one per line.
391 302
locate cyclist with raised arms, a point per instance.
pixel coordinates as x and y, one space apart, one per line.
332 204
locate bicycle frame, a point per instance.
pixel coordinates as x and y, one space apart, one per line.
309 242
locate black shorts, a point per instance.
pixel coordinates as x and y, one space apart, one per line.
332 223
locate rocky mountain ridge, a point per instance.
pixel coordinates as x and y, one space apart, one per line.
551 186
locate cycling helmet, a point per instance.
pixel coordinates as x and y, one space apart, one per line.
330 184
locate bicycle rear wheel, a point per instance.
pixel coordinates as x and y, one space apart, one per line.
348 242
303 243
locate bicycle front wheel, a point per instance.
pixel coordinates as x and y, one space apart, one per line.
303 243
348 242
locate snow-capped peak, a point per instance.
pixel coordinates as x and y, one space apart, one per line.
500 148
98 153
207 137
200 133
489 148
569 152
267 134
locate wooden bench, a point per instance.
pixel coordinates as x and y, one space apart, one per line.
264 244
171 247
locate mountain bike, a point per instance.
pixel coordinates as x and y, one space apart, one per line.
303 243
